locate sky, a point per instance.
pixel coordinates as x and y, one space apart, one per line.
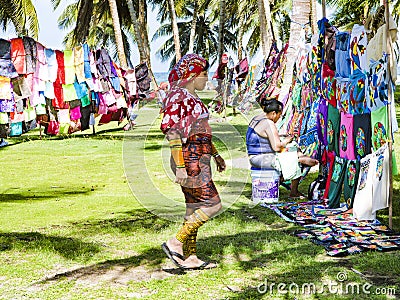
51 36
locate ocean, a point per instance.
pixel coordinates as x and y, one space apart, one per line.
163 76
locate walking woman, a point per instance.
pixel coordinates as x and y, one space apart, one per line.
185 124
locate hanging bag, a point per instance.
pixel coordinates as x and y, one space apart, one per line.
142 77
242 69
316 188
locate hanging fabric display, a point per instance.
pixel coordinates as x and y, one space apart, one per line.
55 86
362 206
379 126
339 99
362 135
343 94
333 128
380 182
358 47
346 141
377 95
350 181
342 56
328 161
322 122
335 188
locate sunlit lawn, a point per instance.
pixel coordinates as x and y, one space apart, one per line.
71 228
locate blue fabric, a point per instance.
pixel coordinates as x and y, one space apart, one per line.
81 89
115 83
16 129
342 56
358 101
95 98
50 56
86 61
7 68
322 27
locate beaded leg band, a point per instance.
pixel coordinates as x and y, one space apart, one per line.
190 245
192 224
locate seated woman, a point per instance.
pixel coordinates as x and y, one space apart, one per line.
263 142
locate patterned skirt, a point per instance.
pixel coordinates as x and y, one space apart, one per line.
199 189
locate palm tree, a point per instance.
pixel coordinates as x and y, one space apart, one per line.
144 35
222 17
268 22
241 29
175 30
349 13
118 34
300 16
20 13
206 39
95 25
141 34
193 27
313 16
136 27
263 27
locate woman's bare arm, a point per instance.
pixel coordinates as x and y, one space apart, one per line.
270 131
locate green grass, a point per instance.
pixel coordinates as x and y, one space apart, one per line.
75 224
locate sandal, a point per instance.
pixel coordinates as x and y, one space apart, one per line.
205 265
172 254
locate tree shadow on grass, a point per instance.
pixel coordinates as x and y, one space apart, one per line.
129 222
39 196
245 250
153 257
69 248
251 244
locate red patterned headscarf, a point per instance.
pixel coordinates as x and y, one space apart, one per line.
187 68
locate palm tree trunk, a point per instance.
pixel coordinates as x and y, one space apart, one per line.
314 26
268 20
300 14
240 34
142 19
139 40
117 33
144 37
222 16
263 27
193 26
175 30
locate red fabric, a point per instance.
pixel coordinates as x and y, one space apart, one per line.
329 84
187 68
18 55
328 157
58 101
181 111
61 67
53 128
220 72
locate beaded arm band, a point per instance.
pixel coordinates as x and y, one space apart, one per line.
176 152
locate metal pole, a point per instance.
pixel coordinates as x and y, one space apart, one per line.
324 8
390 137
